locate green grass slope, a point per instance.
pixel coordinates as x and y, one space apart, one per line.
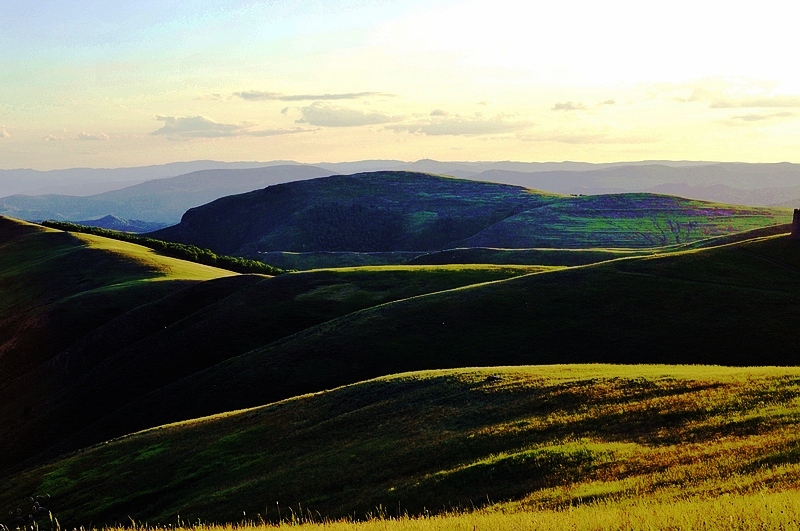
730 305
553 257
552 436
573 257
57 288
404 211
91 325
622 220
42 272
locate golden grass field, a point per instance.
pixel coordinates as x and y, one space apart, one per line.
744 512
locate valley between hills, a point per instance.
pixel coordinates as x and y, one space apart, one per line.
428 353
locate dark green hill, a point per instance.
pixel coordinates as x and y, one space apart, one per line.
380 211
403 211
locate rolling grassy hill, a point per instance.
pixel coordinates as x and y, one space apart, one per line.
730 305
527 438
87 329
254 340
402 211
106 338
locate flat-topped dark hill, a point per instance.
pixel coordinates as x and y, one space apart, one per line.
405 211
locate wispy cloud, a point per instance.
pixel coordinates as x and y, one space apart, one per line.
762 117
255 95
762 102
442 123
83 135
53 138
325 115
758 118
588 137
3 132
191 127
732 94
569 106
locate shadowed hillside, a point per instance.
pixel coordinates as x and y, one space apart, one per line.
86 330
728 305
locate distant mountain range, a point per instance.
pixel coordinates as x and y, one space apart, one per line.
162 194
90 181
159 201
124 225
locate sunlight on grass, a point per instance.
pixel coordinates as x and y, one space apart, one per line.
165 267
514 269
743 512
641 446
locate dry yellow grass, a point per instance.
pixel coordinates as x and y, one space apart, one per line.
745 512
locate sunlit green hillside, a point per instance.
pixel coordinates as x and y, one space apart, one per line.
525 437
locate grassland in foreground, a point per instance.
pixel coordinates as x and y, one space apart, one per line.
519 439
741 512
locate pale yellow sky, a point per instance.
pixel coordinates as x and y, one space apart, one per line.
111 86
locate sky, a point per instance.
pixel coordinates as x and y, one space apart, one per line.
115 84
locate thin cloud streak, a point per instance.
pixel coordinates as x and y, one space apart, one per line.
731 94
569 106
762 117
765 102
325 115
254 95
587 137
194 127
441 123
83 135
